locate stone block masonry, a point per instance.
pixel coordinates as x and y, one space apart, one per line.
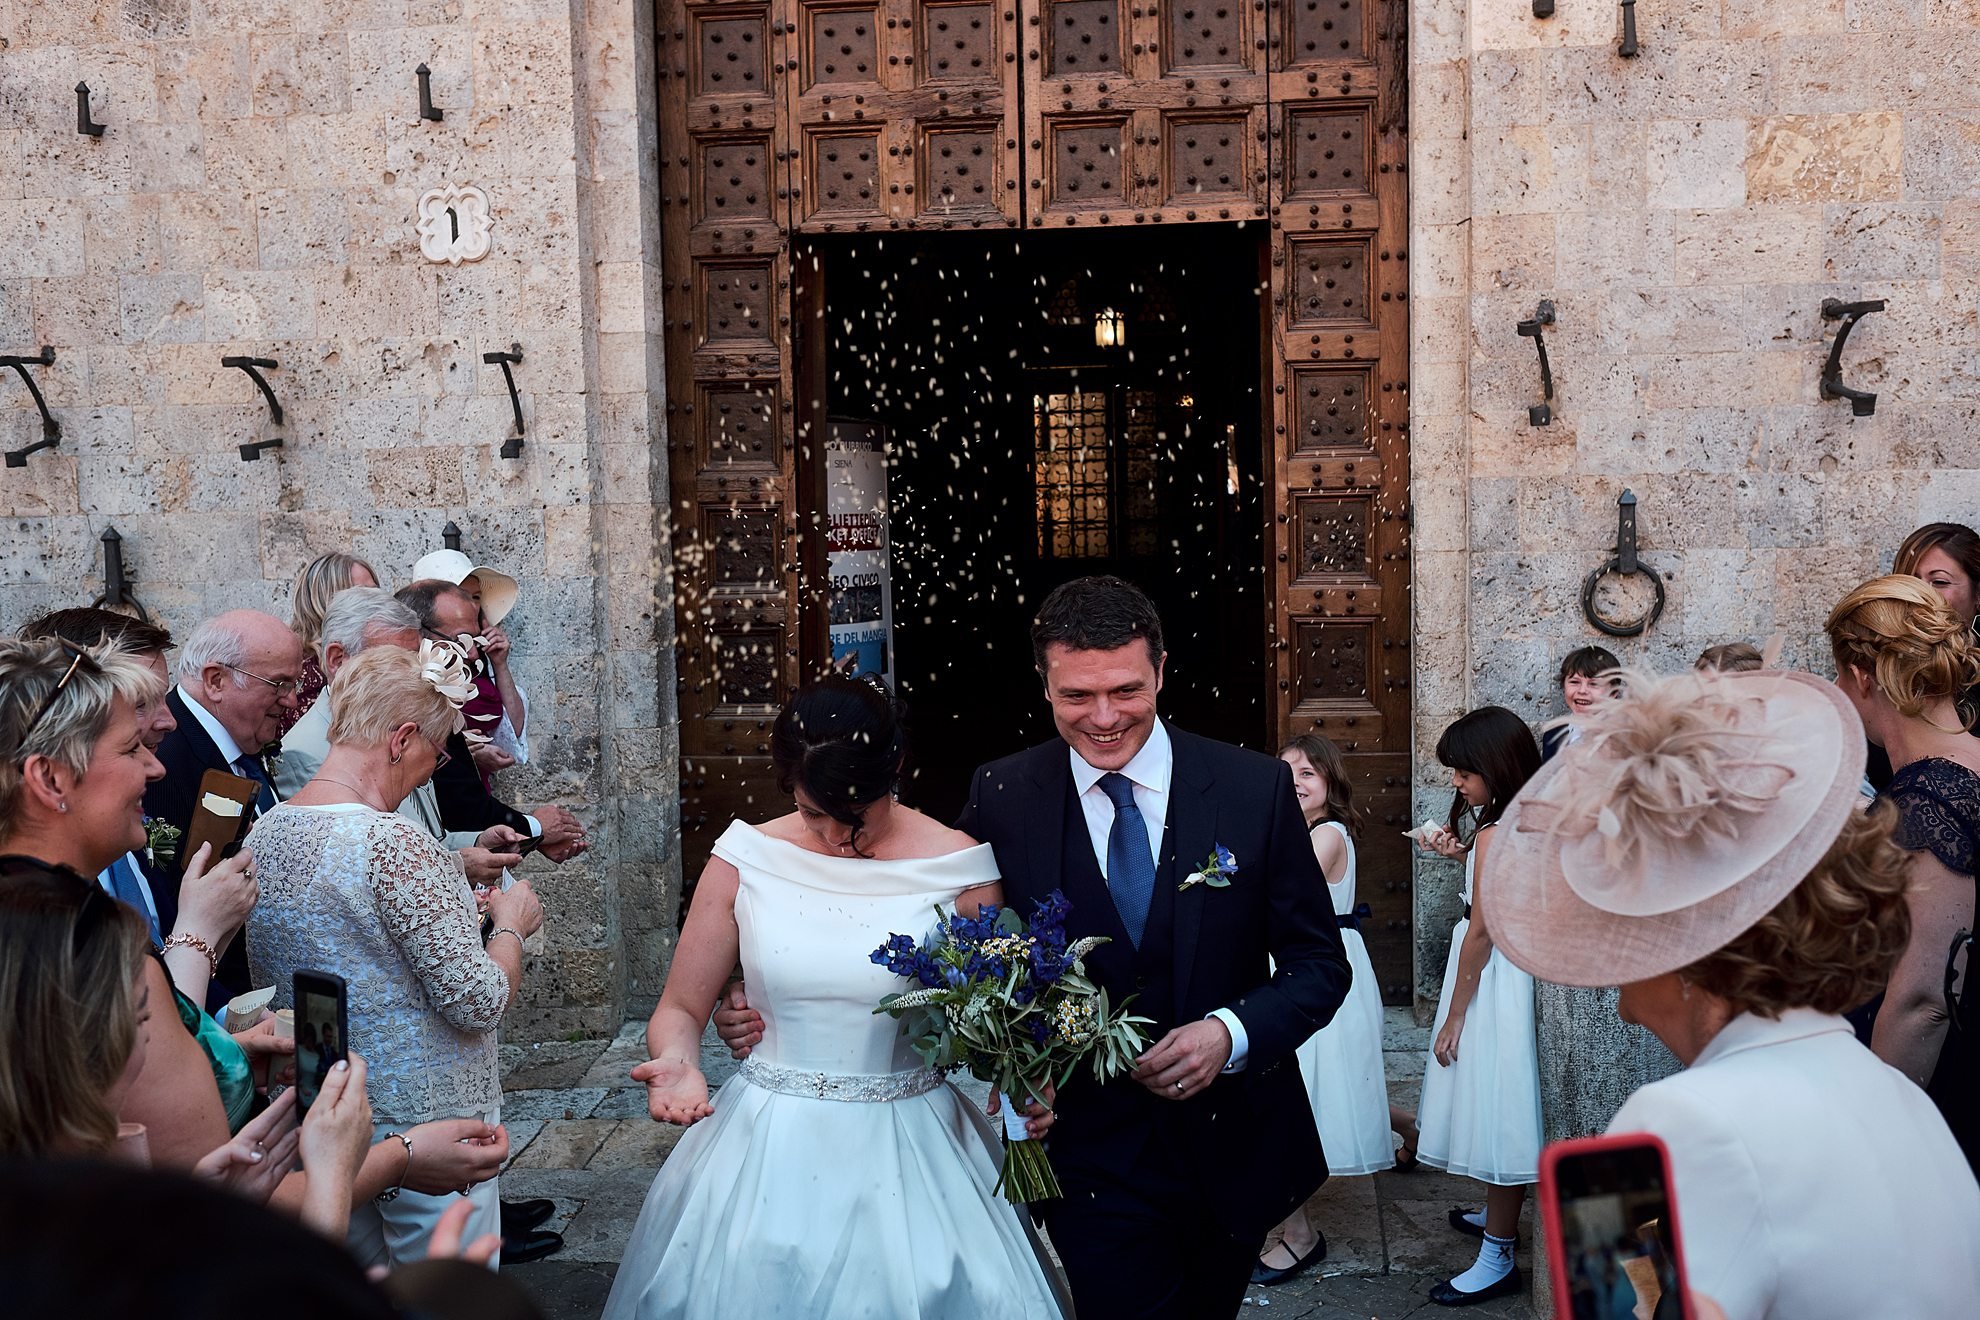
255 193
1687 211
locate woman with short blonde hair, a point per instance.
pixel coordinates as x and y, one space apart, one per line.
1904 657
316 586
351 887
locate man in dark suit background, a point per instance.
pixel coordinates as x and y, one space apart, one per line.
1171 1177
237 679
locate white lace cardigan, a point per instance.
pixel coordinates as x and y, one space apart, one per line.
371 897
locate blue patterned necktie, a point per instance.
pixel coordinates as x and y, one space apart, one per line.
1130 866
251 768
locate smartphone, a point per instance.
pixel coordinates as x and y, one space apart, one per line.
322 1031
1610 1214
525 846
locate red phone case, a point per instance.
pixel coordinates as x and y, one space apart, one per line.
1550 1211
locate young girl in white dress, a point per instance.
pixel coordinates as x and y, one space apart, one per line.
1342 1062
1480 1114
833 1178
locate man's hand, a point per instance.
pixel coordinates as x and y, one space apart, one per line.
563 836
1186 1060
490 759
739 1025
484 867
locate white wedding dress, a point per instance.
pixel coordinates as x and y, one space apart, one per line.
836 1178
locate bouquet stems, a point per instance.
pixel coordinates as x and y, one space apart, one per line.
1026 1174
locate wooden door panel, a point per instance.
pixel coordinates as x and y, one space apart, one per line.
1339 420
726 296
903 114
1144 112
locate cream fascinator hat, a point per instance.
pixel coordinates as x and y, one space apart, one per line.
498 590
1683 814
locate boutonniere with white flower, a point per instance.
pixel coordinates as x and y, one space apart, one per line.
1216 871
445 666
161 841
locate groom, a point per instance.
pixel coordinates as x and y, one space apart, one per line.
1171 1177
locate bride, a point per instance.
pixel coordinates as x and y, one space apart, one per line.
833 1177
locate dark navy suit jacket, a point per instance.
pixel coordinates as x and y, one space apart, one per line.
1245 1147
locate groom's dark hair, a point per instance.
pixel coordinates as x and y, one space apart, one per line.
1100 613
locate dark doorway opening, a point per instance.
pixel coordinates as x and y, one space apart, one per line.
1054 405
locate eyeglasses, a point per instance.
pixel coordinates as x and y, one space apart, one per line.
441 756
282 686
48 702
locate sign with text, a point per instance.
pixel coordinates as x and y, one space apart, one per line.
862 618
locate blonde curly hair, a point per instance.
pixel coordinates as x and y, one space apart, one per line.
1898 630
1831 943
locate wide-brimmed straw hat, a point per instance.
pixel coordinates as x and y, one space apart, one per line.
1683 814
498 590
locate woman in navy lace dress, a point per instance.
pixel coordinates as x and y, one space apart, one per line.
1904 658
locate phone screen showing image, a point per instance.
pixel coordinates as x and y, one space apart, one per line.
322 1031
1618 1239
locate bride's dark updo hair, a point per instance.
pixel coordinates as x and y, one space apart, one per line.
842 741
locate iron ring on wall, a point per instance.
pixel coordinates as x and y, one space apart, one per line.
1632 627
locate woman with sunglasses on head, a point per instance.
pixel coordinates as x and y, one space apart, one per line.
351 887
73 768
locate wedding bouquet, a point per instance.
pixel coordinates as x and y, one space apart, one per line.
1010 1003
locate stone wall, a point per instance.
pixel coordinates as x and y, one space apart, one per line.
1687 211
255 193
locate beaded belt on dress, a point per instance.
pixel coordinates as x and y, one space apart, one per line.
869 1088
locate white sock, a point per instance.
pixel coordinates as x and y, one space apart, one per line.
1495 1262
1476 1218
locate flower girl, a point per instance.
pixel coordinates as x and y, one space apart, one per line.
1480 1115
1342 1062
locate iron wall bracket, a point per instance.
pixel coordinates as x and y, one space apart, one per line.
51 430
426 107
1541 414
1628 48
1862 403
116 582
85 123
511 447
1624 563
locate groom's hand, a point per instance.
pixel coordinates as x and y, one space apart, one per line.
739 1025
1186 1060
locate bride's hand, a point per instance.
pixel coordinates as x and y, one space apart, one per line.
676 1092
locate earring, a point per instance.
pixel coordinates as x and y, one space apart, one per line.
395 760
1684 989
62 807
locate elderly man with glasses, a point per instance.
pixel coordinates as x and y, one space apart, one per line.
237 679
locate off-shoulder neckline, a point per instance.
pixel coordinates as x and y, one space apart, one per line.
759 832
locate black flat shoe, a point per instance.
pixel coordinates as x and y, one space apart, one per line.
518 1217
535 1244
1266 1277
1445 1295
1463 1225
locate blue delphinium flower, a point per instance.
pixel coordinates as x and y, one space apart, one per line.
1226 861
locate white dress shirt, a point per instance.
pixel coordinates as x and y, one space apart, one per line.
1150 771
1813 1181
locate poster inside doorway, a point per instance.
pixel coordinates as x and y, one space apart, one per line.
862 618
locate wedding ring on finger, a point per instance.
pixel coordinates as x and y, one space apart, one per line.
1179 1088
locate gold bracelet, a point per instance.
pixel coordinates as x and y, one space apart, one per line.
392 1193
193 942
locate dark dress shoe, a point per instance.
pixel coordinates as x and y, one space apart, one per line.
518 1217
1463 1225
532 1244
1445 1295
1266 1277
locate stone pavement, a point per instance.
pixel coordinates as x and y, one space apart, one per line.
580 1134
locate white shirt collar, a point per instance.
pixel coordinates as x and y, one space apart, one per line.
1751 1031
1150 767
223 740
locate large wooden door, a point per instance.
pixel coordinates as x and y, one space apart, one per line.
1340 420
795 117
